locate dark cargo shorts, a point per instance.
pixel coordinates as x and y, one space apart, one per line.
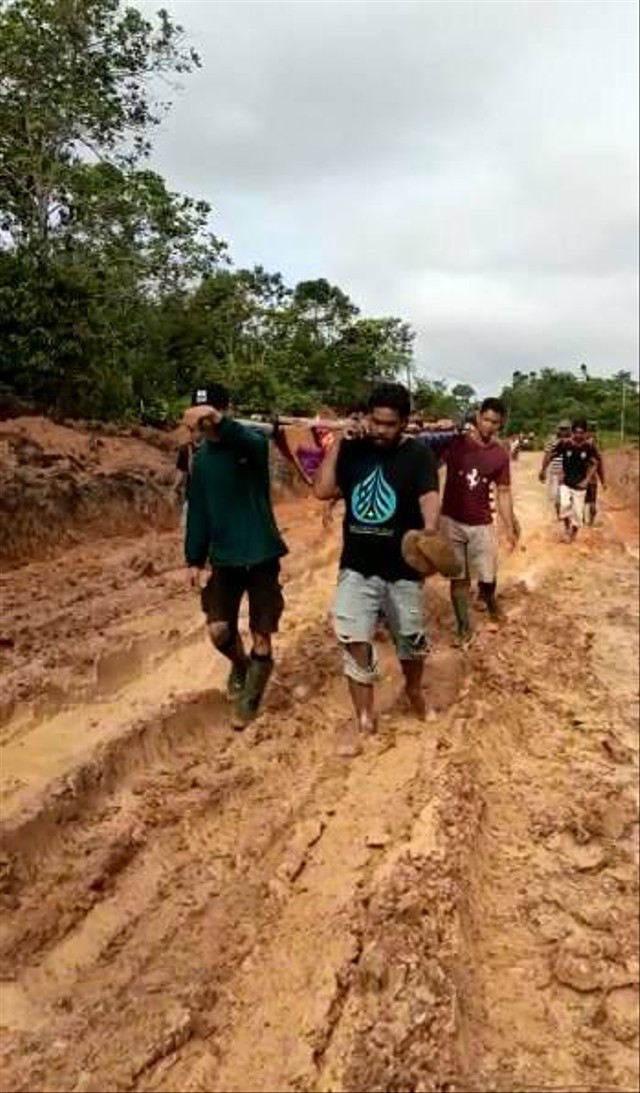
222 596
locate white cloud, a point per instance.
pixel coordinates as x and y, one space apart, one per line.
472 167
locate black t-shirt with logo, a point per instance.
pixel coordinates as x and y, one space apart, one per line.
382 490
576 460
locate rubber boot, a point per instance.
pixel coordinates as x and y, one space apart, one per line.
236 681
248 702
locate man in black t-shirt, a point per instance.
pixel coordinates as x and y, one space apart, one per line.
389 483
579 465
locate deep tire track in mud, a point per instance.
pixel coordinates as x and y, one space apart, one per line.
453 909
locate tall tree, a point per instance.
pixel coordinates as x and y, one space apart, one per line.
75 80
464 396
90 235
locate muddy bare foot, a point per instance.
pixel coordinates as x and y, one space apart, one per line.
352 736
348 743
417 703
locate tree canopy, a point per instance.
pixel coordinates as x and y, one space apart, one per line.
114 291
537 401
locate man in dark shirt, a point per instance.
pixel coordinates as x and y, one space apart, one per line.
591 492
579 466
476 461
230 522
389 483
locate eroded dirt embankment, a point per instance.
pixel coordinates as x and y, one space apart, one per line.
66 484
60 485
455 908
624 476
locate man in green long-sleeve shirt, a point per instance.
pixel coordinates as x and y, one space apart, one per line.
230 523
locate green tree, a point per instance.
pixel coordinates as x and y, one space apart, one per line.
91 238
538 401
433 399
75 79
464 396
113 291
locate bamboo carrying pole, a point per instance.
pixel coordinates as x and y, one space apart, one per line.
269 427
333 425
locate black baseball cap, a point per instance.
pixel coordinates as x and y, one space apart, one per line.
214 394
204 400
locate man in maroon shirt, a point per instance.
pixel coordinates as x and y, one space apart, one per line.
475 461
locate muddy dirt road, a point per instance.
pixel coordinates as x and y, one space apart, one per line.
454 909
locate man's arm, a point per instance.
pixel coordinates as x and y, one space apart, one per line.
325 483
197 538
550 453
600 468
182 469
439 442
504 501
428 486
592 470
430 509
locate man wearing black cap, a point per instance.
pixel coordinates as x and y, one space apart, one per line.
230 522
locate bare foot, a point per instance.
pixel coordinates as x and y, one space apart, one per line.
349 737
367 724
417 703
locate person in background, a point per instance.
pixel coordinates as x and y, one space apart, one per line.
230 523
579 466
416 424
591 499
475 461
389 483
552 465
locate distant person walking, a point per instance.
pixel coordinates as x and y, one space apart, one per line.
579 466
552 465
230 523
599 478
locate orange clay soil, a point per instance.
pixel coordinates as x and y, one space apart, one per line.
453 909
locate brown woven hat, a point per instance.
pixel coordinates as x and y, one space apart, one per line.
429 554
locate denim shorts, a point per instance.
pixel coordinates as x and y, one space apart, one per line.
361 600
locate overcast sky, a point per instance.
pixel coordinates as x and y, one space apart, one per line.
470 167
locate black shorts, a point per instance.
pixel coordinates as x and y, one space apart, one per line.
222 596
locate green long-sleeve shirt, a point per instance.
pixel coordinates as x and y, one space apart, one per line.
230 518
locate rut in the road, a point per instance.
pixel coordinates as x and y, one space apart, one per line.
453 909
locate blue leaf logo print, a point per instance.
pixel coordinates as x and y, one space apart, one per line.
374 501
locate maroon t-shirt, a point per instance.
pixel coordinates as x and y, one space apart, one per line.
471 469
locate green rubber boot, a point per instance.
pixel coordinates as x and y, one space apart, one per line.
236 681
247 704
